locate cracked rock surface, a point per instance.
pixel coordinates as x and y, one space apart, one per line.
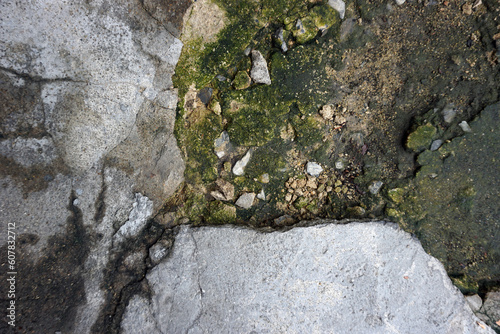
319 278
88 158
87 151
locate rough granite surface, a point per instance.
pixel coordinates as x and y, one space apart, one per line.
353 278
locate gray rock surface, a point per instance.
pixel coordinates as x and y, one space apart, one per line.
475 302
29 151
239 166
137 219
354 278
137 318
42 213
88 156
87 123
245 201
313 168
490 312
259 72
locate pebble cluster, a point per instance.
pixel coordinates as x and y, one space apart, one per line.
305 193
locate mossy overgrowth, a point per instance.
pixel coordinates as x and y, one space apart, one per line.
254 115
378 69
452 204
421 138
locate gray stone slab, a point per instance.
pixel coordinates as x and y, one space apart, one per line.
354 278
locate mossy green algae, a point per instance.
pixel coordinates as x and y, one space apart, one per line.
452 204
299 87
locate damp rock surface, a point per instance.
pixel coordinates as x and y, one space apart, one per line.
86 122
229 280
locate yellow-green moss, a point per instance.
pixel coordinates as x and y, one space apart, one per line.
241 80
396 195
324 17
466 284
299 84
421 138
251 127
220 213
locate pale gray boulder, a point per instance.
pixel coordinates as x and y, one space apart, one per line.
354 278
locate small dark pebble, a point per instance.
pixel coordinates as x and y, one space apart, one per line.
205 95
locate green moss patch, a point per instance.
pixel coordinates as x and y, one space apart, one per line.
250 127
452 204
421 138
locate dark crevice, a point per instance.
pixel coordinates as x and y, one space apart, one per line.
39 79
124 280
100 206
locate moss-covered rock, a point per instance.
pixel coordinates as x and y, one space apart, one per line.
220 213
304 30
421 138
242 80
324 17
452 203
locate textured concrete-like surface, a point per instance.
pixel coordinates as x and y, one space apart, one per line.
86 122
354 278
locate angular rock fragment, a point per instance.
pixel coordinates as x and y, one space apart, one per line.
259 72
264 178
261 195
327 112
436 144
374 188
449 112
142 210
313 168
475 302
224 192
245 201
239 166
465 126
280 38
220 144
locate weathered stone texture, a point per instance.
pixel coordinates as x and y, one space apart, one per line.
354 278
